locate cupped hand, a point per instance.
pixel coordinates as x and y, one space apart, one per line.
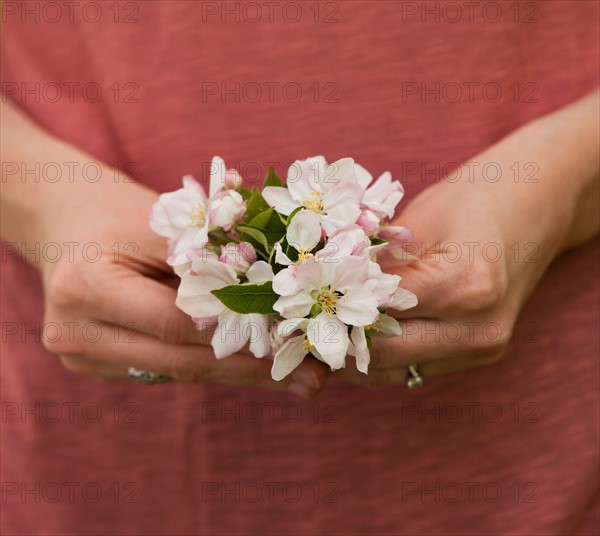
113 300
478 254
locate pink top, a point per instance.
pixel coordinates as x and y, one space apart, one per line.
510 448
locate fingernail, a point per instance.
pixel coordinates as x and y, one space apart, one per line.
305 377
299 389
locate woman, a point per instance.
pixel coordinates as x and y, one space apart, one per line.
486 113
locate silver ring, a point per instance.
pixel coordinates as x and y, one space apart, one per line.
150 378
415 379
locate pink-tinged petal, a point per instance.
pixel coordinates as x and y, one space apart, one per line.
384 195
233 179
239 256
380 189
330 337
363 176
344 243
403 299
385 284
289 356
361 350
259 271
231 335
217 176
304 231
357 307
260 337
298 305
351 272
369 221
395 235
280 256
280 199
284 282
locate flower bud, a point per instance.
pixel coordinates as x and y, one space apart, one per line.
239 256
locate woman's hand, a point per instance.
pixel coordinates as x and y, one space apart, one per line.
127 296
482 244
110 293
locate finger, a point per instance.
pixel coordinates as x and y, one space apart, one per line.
427 280
85 365
145 305
399 375
425 340
197 363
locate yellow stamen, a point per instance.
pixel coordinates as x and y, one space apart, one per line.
314 203
307 346
375 326
198 216
328 300
304 254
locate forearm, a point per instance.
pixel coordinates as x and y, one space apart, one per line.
45 180
562 199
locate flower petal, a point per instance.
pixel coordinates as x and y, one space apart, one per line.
287 327
350 272
358 307
297 305
259 271
284 283
341 170
304 231
330 337
193 294
231 334
362 175
387 326
289 356
260 341
361 350
217 176
305 177
280 199
403 299
280 256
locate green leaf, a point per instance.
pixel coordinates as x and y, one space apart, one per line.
248 298
256 204
255 236
377 241
244 192
270 224
263 219
272 179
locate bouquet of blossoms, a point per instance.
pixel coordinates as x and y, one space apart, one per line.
290 269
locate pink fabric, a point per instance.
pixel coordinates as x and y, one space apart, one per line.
436 461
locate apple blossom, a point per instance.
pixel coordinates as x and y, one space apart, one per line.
330 190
